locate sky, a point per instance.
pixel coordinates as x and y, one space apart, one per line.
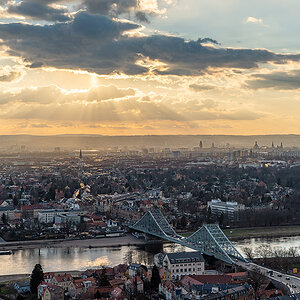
143 67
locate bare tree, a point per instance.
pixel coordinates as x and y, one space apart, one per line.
249 252
256 279
264 251
293 252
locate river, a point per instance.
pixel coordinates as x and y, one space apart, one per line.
61 259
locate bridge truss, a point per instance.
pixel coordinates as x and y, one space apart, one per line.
209 239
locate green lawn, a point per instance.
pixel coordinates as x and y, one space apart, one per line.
241 233
276 231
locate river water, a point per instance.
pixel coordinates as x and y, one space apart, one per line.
61 259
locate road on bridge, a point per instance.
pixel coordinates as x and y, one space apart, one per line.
291 281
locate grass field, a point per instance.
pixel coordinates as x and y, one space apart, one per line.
259 232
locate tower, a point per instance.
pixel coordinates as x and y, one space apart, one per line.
273 145
256 146
201 144
80 154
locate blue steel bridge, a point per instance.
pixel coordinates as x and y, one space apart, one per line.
209 239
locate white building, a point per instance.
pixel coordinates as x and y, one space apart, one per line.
62 218
184 263
227 208
48 215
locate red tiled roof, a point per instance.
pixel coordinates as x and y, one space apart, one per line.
31 207
63 277
211 278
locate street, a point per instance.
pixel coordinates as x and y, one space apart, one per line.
291 281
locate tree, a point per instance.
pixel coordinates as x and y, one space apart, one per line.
15 201
264 251
4 219
37 276
249 252
155 279
103 280
256 278
97 295
183 222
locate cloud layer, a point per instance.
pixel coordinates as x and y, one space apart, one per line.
277 80
100 44
109 104
39 10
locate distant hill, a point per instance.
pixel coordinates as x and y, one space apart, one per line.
32 142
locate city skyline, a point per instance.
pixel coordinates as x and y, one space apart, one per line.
149 67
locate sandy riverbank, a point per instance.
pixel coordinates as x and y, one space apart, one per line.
85 243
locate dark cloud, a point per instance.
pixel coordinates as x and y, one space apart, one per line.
116 8
97 43
201 87
208 40
106 7
142 17
10 76
39 10
276 80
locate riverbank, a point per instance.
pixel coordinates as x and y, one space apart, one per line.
127 240
237 234
5 279
262 232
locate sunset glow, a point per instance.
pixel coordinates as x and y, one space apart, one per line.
149 67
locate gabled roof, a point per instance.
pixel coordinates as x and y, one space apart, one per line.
185 257
63 277
135 266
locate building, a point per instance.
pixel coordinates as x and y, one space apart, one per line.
184 263
22 287
48 291
227 208
48 216
135 269
63 218
62 280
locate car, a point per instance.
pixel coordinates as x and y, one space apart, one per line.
287 278
294 286
279 275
